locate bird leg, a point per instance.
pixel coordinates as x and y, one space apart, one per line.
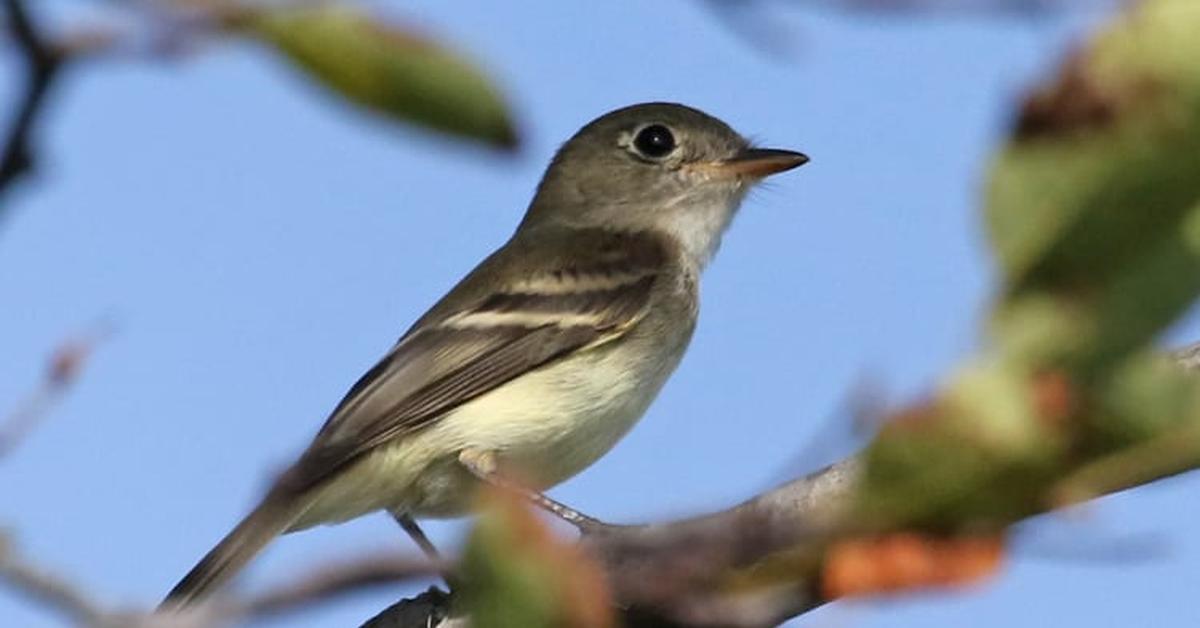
409 525
482 464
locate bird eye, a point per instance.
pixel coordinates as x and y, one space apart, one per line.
654 141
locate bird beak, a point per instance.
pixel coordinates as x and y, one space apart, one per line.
757 163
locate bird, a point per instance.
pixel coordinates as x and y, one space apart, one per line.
543 356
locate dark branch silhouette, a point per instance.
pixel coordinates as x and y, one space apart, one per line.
42 61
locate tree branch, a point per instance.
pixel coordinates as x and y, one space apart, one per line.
676 573
42 64
326 583
64 366
666 574
47 588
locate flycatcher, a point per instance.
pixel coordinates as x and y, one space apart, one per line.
542 357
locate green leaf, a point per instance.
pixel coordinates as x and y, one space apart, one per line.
1148 396
387 70
1143 424
1094 208
517 575
976 453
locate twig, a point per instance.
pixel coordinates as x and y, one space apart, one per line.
62 370
48 588
42 64
330 582
323 585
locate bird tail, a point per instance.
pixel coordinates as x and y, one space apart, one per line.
268 520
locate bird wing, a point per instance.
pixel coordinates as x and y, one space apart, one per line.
575 292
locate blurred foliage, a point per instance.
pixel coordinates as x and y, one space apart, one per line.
379 66
1094 212
517 575
1093 209
902 561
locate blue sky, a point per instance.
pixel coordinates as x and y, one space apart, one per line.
258 247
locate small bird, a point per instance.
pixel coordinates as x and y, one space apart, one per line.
544 355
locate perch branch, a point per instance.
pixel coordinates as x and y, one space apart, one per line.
675 573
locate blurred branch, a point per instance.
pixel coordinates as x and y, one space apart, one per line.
64 366
323 585
42 64
48 588
365 60
327 583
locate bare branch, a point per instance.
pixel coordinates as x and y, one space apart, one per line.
48 588
324 584
44 60
42 63
63 367
332 581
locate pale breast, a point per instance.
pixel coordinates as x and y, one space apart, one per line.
546 425
553 423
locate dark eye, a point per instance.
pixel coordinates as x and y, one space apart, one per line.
654 141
